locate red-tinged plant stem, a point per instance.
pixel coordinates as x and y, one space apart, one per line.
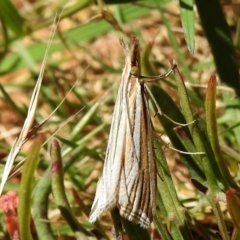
9 203
60 196
213 133
233 205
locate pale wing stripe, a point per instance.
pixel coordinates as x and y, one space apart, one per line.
112 164
102 202
134 155
123 195
106 193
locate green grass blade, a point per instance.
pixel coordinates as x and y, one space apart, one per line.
213 133
219 38
175 211
25 192
187 17
40 207
11 17
60 195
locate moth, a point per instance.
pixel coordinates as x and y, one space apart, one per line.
129 178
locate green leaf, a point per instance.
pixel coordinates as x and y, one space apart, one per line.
213 133
60 194
219 38
11 17
25 192
187 17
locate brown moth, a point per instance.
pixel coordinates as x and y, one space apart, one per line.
129 173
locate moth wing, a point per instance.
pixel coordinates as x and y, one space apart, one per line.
107 192
140 171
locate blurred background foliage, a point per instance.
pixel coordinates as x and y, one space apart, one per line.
202 37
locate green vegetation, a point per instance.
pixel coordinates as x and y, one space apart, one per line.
55 180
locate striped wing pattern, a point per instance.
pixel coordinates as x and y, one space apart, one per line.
129 173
